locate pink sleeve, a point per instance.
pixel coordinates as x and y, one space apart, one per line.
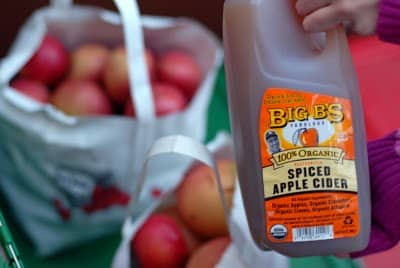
388 28
384 165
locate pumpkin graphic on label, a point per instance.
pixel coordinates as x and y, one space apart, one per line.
306 137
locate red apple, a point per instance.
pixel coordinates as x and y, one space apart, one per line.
88 62
168 99
116 77
199 202
33 89
49 64
192 240
209 254
81 98
129 110
181 69
160 243
151 64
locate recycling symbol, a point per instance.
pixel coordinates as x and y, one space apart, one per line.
348 220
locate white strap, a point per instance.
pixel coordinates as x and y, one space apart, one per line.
61 3
141 92
185 146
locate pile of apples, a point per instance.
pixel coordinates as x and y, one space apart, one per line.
193 232
92 80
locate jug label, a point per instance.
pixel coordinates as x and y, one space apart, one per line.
309 173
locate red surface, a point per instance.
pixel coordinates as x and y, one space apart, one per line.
388 259
378 67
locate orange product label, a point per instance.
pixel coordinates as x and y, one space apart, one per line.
309 173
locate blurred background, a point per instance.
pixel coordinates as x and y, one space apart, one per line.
13 13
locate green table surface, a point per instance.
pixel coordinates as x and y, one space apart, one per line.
99 253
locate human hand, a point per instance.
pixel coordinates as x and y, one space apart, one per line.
323 15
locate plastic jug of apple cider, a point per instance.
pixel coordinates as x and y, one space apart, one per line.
298 131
